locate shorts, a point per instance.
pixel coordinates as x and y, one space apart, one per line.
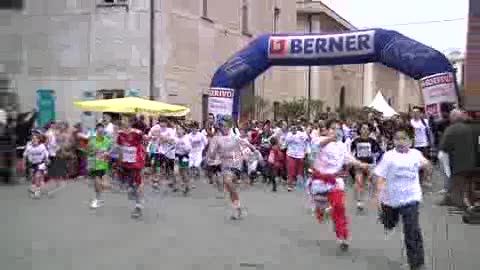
363 172
183 161
213 169
40 167
235 172
98 173
131 176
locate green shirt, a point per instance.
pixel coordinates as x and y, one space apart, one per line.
99 150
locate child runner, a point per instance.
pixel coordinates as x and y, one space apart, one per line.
276 162
99 149
132 161
228 149
198 141
326 180
398 192
36 154
365 149
182 151
296 141
167 137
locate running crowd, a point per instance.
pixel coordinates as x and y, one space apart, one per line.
388 156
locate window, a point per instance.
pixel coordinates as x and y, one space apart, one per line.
111 3
276 17
245 18
11 4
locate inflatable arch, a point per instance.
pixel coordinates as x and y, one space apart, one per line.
390 48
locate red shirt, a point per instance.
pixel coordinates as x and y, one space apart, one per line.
132 150
278 157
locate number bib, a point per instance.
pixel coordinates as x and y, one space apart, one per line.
129 154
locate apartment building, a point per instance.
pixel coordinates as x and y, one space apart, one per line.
80 49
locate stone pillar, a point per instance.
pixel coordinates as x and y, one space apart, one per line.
315 76
368 84
401 104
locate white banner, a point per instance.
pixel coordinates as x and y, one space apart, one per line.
220 102
438 89
322 46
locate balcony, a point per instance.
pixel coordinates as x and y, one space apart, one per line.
316 7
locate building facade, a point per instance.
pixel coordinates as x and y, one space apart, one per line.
81 48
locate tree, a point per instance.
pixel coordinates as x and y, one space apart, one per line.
316 108
262 108
292 109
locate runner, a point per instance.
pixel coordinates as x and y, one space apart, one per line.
326 183
132 161
198 141
365 149
296 141
182 151
398 192
99 149
36 154
228 149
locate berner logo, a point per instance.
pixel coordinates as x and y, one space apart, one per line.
322 46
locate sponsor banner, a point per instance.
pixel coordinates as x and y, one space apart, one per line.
322 46
220 101
438 89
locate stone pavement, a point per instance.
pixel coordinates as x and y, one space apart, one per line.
195 233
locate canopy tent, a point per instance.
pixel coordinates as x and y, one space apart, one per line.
380 104
132 105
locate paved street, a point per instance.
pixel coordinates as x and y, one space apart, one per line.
195 233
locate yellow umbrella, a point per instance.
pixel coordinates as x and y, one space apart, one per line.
131 105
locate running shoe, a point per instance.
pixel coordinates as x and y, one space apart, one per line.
95 203
137 212
237 214
343 245
186 190
389 234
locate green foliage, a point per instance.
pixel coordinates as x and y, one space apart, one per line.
297 108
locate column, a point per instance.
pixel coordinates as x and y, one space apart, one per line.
368 83
401 103
315 76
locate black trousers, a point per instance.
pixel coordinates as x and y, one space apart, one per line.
411 229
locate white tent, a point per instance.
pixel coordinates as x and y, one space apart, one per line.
380 104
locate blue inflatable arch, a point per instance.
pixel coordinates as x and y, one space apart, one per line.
356 47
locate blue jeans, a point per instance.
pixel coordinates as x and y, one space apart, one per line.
411 229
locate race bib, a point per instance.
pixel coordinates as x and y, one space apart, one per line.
364 150
320 187
129 154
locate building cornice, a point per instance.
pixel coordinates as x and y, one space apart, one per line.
317 7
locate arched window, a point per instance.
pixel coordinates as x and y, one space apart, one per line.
342 98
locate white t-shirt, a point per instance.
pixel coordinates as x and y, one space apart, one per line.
198 141
421 139
182 145
401 171
36 154
52 145
167 148
296 144
331 158
110 129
